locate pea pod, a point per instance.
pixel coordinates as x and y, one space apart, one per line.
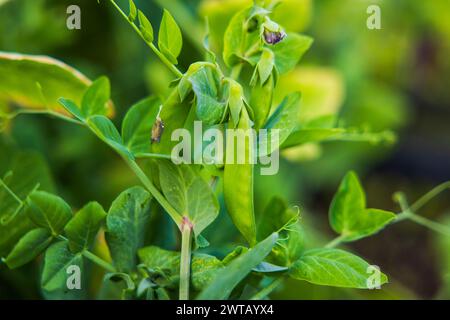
261 101
238 184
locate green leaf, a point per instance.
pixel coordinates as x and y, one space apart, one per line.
348 214
72 108
58 258
289 51
107 132
203 267
21 74
238 184
230 276
189 194
234 37
84 226
284 120
48 211
28 247
210 108
275 217
138 123
126 223
133 11
95 99
333 267
145 27
170 40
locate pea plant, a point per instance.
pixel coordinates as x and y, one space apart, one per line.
232 91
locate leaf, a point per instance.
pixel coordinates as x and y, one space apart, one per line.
133 11
126 223
333 267
238 183
265 267
189 194
203 267
348 214
284 121
289 51
117 286
107 132
58 258
230 276
21 74
95 99
84 226
234 37
170 39
275 217
72 108
145 27
138 123
48 211
28 247
209 107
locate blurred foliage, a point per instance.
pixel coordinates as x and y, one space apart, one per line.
396 79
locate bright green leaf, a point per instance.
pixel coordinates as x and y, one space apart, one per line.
230 276
170 38
146 27
133 11
348 214
333 267
96 98
189 194
289 51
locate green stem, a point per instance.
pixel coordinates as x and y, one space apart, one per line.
153 156
98 261
155 50
155 192
185 263
267 290
435 226
335 242
430 195
94 258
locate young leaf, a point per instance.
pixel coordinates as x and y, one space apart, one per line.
234 37
106 131
72 108
348 214
289 51
275 217
145 27
333 267
209 107
189 194
229 277
170 40
284 120
95 99
238 184
133 11
28 247
235 101
58 258
138 123
48 211
84 226
265 65
126 223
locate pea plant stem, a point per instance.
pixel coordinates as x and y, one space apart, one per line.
267 290
155 50
185 263
94 258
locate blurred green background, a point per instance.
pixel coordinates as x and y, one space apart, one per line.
396 78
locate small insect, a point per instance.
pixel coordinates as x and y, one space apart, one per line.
158 128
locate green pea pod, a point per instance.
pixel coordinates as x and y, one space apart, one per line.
238 183
261 101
